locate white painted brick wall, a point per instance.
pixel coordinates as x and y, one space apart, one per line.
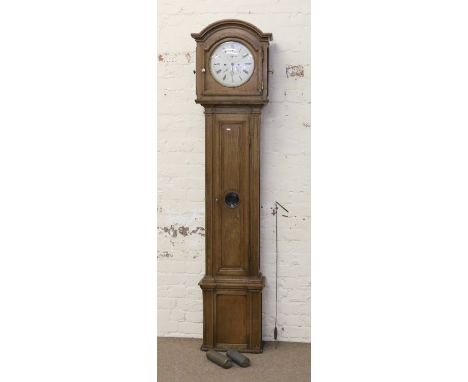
285 158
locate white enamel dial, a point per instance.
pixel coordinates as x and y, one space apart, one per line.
232 64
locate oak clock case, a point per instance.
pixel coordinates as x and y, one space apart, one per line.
232 86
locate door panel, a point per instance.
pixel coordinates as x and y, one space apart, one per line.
231 319
231 192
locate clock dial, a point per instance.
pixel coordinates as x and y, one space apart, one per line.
232 64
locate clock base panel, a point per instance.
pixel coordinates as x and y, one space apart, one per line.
232 314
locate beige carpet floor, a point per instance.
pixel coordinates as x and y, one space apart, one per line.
181 360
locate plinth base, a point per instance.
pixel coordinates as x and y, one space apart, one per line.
232 313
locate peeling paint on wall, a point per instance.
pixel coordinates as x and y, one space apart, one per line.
173 231
196 230
164 254
183 230
176 57
294 71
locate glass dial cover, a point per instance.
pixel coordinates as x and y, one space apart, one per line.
232 64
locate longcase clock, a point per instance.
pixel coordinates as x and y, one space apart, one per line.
232 86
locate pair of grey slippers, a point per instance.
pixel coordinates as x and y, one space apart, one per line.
226 360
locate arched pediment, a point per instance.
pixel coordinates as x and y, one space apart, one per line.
231 23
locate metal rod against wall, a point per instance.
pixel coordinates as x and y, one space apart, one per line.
275 331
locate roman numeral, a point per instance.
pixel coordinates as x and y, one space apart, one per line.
218 71
245 71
